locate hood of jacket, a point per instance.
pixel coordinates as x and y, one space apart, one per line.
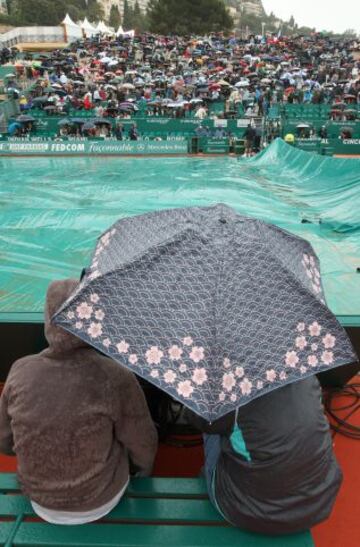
60 340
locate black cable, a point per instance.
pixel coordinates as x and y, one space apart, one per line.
342 425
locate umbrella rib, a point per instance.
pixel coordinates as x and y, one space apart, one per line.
218 301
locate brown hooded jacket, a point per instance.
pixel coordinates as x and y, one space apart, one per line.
74 419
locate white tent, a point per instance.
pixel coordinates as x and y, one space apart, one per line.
120 31
72 30
69 22
103 28
87 27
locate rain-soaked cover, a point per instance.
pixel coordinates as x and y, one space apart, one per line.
53 210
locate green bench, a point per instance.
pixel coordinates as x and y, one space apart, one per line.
154 512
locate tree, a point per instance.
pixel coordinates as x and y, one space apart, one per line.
94 11
139 22
115 17
38 12
128 16
349 33
185 17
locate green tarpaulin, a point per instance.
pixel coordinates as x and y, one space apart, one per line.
53 209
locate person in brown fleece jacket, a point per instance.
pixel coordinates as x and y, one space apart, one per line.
76 421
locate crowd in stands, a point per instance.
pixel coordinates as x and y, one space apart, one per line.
121 77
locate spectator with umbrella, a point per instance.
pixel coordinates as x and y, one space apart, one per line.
227 315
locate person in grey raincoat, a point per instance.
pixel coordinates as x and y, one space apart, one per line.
270 466
76 421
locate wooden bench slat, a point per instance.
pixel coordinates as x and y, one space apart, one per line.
134 509
8 482
128 535
146 487
162 487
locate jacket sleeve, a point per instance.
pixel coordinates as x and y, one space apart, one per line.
135 429
222 426
6 436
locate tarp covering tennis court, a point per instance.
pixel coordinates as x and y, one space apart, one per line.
52 210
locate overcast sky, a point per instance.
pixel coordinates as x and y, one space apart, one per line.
321 14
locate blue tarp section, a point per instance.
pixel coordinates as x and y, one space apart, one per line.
52 211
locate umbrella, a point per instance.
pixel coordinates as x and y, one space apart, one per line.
79 121
242 83
214 308
101 121
40 100
13 126
25 118
60 92
88 125
65 121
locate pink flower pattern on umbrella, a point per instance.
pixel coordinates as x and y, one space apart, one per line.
303 369
312 360
314 347
95 330
197 354
221 396
154 355
226 362
246 387
70 315
105 240
271 375
94 298
239 372
107 342
187 341
199 376
175 353
99 315
315 329
79 325
233 397
122 347
329 341
182 367
300 327
327 357
133 359
228 381
84 311
169 376
291 359
301 342
154 373
185 389
259 384
282 375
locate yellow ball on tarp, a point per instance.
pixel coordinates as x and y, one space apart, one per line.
289 138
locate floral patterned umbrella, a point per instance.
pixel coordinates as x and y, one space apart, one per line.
212 307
